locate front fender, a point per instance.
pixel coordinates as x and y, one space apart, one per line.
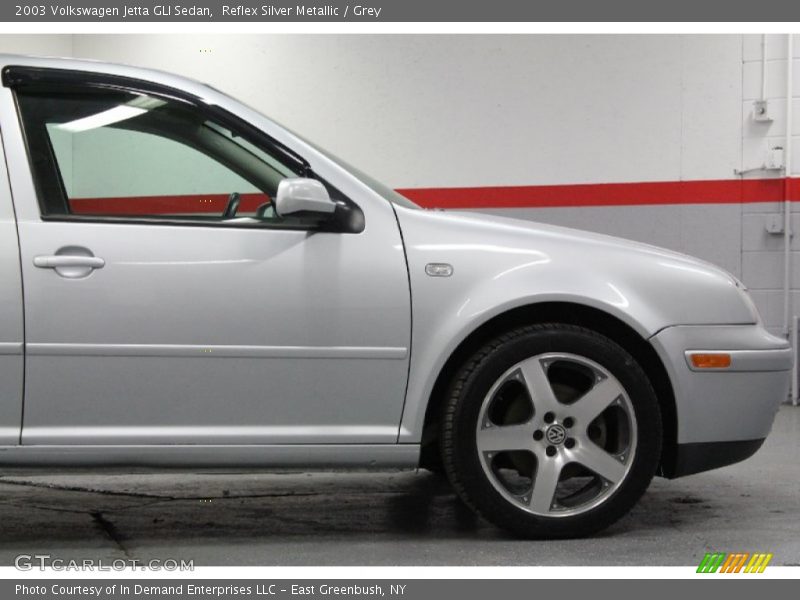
502 264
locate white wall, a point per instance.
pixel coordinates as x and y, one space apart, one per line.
431 111
40 45
762 253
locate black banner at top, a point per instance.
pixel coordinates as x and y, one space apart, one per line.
398 11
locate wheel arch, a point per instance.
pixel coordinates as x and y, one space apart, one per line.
557 312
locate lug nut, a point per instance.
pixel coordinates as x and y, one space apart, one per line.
569 422
538 435
551 451
549 417
570 443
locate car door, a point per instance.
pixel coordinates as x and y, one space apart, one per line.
151 318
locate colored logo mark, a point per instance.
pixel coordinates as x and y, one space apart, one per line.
735 562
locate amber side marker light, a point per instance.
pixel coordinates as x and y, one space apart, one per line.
716 360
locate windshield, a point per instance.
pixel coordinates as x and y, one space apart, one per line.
376 186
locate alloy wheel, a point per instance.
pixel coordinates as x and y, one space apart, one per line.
556 434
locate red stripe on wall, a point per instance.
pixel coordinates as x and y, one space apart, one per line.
162 205
720 191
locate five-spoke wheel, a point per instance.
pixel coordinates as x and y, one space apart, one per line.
556 434
551 430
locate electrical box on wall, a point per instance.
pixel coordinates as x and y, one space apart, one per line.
774 158
773 161
761 111
774 224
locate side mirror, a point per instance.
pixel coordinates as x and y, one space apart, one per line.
303 197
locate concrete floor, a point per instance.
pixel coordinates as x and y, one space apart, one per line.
397 518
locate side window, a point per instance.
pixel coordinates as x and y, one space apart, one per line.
112 153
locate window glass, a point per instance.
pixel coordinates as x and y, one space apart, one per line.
123 154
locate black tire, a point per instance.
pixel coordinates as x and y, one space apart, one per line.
430 458
473 382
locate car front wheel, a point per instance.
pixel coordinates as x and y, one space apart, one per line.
551 430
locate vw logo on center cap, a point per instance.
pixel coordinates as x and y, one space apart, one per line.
556 434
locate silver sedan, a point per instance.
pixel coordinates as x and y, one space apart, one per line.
186 283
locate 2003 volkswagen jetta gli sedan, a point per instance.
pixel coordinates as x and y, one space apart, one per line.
185 283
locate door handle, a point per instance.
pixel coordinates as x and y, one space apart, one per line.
71 262
60 260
